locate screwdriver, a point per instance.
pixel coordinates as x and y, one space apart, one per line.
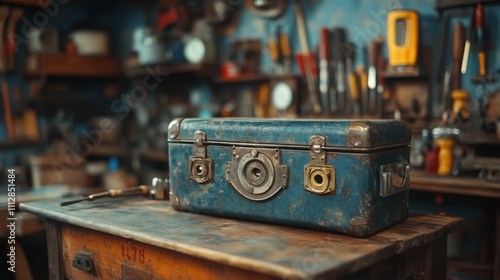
373 54
465 57
363 83
324 73
457 53
273 51
286 52
339 34
140 190
354 87
481 37
381 66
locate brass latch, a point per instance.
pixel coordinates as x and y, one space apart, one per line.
200 167
319 178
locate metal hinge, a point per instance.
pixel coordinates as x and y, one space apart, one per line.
200 150
200 167
319 178
317 153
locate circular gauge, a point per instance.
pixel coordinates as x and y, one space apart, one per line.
195 50
281 96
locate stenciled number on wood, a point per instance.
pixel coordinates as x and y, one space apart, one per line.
133 253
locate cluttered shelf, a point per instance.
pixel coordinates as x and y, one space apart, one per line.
422 181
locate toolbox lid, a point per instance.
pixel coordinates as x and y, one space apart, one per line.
351 134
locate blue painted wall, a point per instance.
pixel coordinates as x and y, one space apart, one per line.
364 20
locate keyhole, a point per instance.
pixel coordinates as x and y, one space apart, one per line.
199 169
318 179
256 172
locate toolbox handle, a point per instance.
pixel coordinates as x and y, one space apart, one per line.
389 182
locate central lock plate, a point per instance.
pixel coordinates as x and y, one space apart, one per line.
256 173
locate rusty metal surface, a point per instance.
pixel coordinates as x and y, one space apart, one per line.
280 251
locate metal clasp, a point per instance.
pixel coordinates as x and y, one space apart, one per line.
200 167
319 178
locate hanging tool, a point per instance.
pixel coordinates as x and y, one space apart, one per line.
354 86
445 94
457 53
9 123
363 83
324 66
373 54
307 60
481 39
465 58
402 39
140 190
459 96
286 52
274 52
381 67
339 42
14 18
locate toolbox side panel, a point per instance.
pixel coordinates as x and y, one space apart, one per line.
355 207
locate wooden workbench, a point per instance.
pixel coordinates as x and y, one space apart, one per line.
421 181
136 238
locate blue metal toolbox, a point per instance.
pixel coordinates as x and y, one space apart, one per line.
349 176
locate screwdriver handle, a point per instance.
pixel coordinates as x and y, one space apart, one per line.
285 45
481 37
354 86
374 52
273 49
324 45
479 15
339 34
363 78
381 66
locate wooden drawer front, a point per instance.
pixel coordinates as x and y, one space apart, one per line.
119 258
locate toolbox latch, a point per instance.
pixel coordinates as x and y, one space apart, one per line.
319 178
200 166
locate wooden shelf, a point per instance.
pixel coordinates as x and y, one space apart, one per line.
61 65
155 155
168 69
251 78
107 151
405 75
421 181
18 143
27 3
447 4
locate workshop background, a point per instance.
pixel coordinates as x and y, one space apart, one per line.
103 79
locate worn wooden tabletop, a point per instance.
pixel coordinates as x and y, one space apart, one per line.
275 250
